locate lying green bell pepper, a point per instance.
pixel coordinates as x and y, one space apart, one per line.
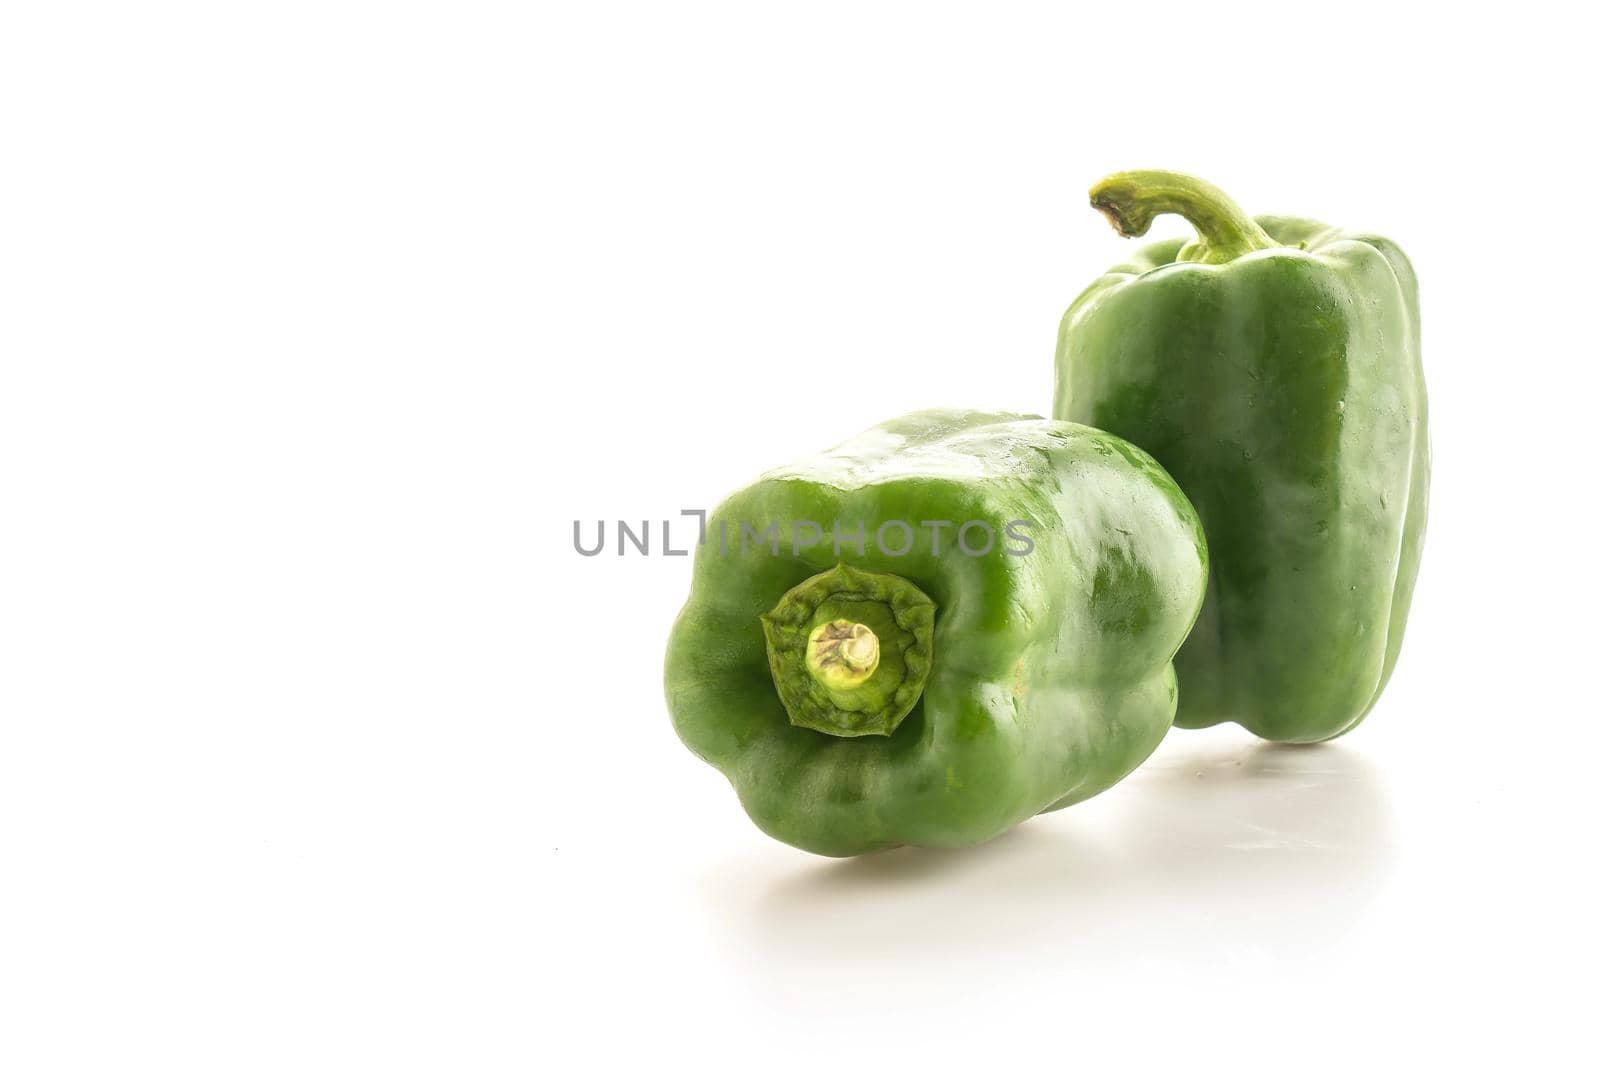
1272 365
936 630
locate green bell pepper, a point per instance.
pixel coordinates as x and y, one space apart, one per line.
1272 365
936 630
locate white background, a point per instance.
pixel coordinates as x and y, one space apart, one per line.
321 323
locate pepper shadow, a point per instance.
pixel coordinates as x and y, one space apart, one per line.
1220 847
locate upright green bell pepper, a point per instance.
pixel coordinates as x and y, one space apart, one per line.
1272 366
934 631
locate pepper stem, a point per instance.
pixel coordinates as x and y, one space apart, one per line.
1132 199
850 651
842 654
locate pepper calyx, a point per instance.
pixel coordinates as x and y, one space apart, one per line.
850 651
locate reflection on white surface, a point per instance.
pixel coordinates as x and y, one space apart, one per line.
1220 848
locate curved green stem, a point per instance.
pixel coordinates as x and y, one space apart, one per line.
1132 199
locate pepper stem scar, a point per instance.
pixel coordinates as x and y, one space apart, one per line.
842 654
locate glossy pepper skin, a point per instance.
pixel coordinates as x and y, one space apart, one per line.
1272 366
1037 679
